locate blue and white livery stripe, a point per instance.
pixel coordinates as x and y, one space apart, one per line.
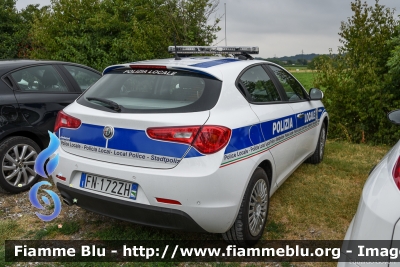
213 63
111 68
252 140
135 144
321 112
127 143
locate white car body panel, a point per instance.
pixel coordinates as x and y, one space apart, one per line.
210 188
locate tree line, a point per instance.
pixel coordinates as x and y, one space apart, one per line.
362 81
99 33
298 60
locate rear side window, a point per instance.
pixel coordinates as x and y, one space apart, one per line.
150 91
259 85
39 79
85 78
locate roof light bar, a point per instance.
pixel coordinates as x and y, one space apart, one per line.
234 50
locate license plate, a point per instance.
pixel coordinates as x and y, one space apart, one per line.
109 185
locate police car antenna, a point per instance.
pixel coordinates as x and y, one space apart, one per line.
176 53
241 52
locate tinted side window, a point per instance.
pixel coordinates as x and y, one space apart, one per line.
259 85
293 89
39 79
85 78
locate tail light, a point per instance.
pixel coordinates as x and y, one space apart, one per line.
396 173
212 139
66 121
208 139
168 201
184 135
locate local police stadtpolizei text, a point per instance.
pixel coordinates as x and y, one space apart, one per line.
119 153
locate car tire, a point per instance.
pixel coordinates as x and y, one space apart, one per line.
17 159
318 155
246 232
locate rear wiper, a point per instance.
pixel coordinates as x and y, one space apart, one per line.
110 103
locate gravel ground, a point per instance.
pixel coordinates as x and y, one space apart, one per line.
17 207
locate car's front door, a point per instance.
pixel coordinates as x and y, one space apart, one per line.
305 112
276 118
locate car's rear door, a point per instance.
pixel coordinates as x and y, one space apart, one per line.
10 119
277 120
41 91
305 112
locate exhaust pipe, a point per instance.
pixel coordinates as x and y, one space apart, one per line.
67 199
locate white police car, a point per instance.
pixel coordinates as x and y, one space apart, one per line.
192 143
378 217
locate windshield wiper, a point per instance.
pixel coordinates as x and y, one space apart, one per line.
110 103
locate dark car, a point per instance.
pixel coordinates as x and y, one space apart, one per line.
31 94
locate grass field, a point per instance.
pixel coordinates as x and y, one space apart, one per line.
305 78
316 203
295 67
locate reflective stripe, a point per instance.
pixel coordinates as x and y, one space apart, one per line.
246 143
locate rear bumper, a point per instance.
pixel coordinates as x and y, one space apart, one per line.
209 195
132 212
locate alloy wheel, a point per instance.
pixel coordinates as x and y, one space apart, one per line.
258 207
18 165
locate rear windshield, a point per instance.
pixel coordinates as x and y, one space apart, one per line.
153 91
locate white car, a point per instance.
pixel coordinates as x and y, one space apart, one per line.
377 217
191 143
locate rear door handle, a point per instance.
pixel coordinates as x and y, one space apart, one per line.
301 115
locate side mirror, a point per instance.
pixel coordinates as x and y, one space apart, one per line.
394 117
316 94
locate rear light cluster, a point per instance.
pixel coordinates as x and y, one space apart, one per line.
207 139
396 173
66 121
62 178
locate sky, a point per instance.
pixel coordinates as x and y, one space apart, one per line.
280 27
